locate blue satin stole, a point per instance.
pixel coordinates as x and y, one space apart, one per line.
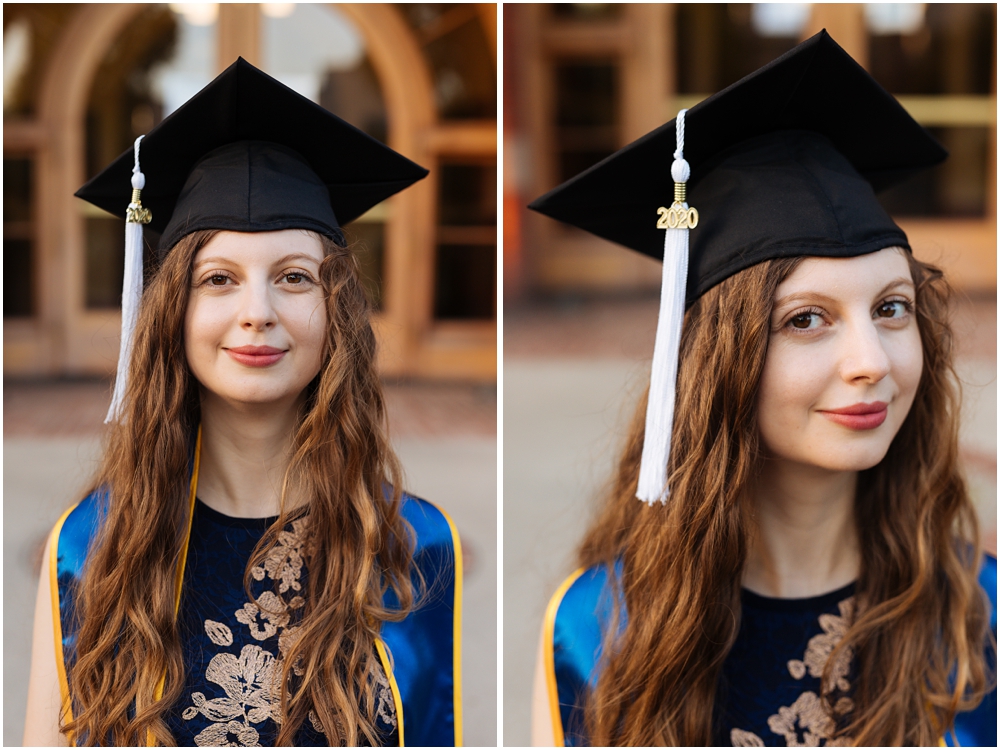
580 613
424 649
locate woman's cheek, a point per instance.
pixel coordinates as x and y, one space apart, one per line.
907 357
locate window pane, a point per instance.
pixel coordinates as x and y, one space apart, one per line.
720 43
105 262
18 280
587 114
945 49
16 190
466 282
18 240
468 194
460 57
465 275
320 53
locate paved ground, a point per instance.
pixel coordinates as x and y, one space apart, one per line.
572 373
445 437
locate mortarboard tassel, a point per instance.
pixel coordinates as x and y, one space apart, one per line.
132 285
677 220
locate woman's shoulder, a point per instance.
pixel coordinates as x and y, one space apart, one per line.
581 611
431 525
76 528
437 549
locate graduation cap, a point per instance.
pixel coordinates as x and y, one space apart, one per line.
244 154
785 162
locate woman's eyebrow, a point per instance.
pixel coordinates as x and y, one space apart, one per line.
212 260
222 260
296 256
901 281
813 295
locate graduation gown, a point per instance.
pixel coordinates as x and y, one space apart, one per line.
421 655
579 615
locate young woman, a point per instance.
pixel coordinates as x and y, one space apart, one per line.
248 570
806 569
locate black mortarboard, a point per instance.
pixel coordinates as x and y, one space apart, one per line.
245 154
783 163
248 154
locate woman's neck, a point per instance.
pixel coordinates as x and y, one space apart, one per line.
245 452
806 540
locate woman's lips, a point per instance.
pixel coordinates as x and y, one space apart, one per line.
859 416
256 356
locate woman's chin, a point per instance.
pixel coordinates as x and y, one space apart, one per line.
256 395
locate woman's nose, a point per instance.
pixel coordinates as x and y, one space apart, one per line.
864 356
257 312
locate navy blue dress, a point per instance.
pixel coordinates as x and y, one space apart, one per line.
233 650
770 684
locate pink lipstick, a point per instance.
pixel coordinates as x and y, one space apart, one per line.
256 356
859 416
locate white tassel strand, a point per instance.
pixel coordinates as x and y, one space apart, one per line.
131 287
663 380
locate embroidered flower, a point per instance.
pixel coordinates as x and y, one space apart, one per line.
247 683
272 609
806 717
217 735
218 633
741 738
284 561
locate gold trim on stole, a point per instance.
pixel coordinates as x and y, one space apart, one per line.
457 625
67 704
550 658
397 700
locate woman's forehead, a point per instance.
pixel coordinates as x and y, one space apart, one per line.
846 277
262 247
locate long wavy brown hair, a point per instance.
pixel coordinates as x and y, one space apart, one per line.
919 637
357 543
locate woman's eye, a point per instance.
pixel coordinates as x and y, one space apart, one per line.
296 278
804 321
892 309
218 280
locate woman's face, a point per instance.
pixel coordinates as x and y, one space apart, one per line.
843 361
256 317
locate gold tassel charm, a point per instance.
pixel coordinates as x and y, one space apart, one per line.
136 213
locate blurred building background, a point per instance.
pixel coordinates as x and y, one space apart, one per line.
81 81
583 80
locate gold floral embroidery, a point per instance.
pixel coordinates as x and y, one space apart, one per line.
247 682
741 738
821 646
251 680
272 610
284 561
807 716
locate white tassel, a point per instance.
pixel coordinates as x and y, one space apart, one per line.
131 286
663 380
